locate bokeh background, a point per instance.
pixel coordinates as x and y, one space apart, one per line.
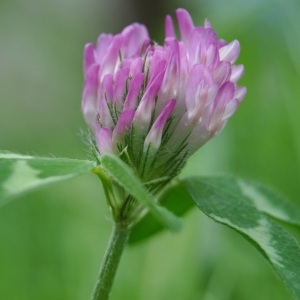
52 241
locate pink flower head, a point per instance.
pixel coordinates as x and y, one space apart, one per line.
160 103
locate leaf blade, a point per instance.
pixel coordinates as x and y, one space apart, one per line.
263 198
23 173
233 209
270 201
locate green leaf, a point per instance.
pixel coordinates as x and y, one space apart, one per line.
269 201
245 207
22 173
224 200
176 199
263 198
126 177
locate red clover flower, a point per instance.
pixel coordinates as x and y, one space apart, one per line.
159 104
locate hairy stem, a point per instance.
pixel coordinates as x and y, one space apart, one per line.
110 262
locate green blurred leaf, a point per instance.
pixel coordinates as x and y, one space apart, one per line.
268 200
263 198
176 199
125 176
243 206
22 173
224 200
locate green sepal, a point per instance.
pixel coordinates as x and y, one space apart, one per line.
175 198
126 177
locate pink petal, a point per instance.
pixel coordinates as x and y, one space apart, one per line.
105 118
203 47
111 56
236 73
169 27
123 125
134 91
88 57
105 99
200 91
155 134
120 87
230 52
171 79
157 64
184 64
240 93
136 66
89 95
104 140
225 95
103 43
185 23
221 43
222 72
107 87
144 111
207 24
230 109
134 37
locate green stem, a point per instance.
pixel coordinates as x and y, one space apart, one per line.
110 263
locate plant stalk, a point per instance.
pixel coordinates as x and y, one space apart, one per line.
110 262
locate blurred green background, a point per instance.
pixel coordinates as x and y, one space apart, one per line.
52 241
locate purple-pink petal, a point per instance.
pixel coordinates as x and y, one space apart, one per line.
88 57
240 93
230 109
104 113
129 83
107 87
146 105
224 96
134 91
120 87
105 99
169 27
155 134
230 52
200 92
111 56
157 64
203 47
236 73
222 72
134 36
89 95
136 66
104 140
103 43
123 124
207 24
171 79
185 24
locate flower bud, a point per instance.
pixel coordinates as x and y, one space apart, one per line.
160 103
